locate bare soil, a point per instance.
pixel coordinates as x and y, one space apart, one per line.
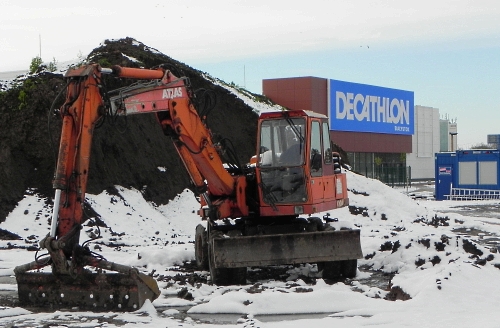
127 152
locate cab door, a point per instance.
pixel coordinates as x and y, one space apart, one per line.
316 163
323 182
328 170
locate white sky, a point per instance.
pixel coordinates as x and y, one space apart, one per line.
445 51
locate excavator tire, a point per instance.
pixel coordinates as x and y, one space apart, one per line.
219 276
331 270
201 247
224 276
238 276
349 268
315 224
336 269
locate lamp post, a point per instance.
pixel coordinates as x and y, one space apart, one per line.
452 134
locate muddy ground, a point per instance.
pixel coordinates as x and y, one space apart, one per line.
125 152
188 275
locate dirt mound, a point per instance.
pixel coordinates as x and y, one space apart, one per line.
131 152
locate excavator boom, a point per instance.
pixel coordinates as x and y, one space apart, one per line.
71 283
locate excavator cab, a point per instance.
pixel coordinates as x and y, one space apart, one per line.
295 166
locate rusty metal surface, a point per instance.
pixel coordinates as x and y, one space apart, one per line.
293 248
93 291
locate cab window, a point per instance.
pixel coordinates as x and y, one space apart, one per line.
316 150
327 151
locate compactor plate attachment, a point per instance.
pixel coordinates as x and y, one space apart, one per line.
91 291
126 289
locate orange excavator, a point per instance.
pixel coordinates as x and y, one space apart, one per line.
257 214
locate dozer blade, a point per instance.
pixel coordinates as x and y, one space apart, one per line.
292 248
92 291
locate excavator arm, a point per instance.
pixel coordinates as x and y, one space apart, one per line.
169 97
70 283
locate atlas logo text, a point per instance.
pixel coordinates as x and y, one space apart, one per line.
172 93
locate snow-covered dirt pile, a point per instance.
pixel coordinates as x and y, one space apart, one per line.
418 244
436 264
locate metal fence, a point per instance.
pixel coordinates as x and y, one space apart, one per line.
472 194
393 175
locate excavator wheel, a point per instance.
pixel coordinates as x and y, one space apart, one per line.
201 247
315 224
219 276
336 269
224 276
349 268
331 270
238 276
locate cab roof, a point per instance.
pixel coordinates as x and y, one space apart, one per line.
291 113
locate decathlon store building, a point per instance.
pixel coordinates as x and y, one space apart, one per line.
373 124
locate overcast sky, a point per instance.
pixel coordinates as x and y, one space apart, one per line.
447 52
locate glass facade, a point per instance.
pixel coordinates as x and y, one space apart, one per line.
389 168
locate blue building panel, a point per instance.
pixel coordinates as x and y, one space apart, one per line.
466 169
445 171
356 107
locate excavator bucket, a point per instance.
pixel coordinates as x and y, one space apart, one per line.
124 291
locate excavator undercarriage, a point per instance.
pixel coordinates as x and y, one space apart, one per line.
227 250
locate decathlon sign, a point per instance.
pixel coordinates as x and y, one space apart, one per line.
367 108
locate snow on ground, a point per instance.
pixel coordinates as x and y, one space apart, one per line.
440 263
8 79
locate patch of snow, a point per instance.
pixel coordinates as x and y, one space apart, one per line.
132 59
9 79
246 97
424 247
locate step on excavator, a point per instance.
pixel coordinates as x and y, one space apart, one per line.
258 214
